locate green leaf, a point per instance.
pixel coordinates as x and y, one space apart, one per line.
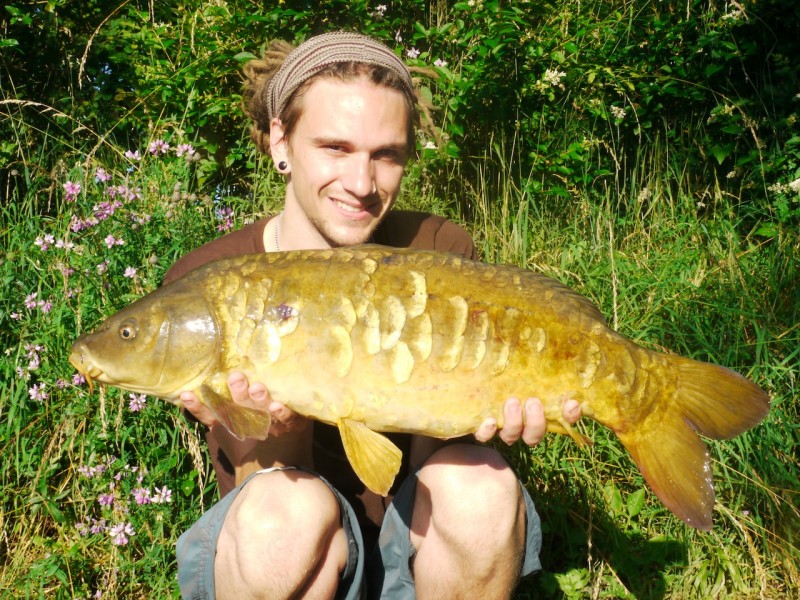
767 230
635 502
244 56
720 153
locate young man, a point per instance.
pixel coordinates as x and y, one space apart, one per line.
337 115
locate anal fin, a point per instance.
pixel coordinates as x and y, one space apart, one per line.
374 458
565 428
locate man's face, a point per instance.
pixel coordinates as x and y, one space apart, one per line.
347 155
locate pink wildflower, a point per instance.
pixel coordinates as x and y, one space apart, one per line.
72 189
30 300
158 147
141 495
45 242
133 155
137 402
130 272
120 533
105 499
111 241
185 149
162 496
102 175
36 392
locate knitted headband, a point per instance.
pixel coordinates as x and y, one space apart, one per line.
326 49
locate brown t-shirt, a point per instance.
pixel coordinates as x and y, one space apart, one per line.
400 229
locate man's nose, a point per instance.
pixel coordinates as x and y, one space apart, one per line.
359 176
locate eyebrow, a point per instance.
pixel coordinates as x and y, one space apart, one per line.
332 141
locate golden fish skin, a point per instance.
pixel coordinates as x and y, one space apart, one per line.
374 339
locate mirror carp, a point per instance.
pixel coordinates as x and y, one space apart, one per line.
373 339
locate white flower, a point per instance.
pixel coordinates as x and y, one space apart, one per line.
429 145
795 186
413 53
439 63
618 112
554 76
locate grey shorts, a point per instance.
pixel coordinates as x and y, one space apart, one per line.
384 572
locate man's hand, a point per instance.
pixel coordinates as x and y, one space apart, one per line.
255 397
531 427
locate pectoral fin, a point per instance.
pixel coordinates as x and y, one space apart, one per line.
241 421
375 459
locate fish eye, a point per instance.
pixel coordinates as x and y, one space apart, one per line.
127 330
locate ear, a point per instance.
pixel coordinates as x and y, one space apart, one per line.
278 145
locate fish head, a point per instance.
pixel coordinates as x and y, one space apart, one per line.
162 344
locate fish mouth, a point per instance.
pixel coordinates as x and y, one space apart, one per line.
85 367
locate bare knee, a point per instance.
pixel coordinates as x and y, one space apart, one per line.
281 537
472 482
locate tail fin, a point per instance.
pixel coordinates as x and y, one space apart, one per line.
709 400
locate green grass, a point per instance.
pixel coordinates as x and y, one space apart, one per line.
667 274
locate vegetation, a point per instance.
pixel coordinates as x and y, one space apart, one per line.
645 153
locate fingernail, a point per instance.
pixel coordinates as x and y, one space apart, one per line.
533 404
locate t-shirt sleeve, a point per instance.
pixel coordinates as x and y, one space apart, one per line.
247 240
422 231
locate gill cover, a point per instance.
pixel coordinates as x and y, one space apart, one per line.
160 345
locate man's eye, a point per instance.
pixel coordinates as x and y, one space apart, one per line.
390 156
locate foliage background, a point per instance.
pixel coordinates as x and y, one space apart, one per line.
645 152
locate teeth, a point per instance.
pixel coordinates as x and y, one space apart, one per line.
347 207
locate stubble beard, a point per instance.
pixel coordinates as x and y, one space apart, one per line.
356 235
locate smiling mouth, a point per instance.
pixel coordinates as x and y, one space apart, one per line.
357 209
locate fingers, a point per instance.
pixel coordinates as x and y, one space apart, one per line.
526 422
253 396
486 431
512 421
198 410
571 411
257 397
535 423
